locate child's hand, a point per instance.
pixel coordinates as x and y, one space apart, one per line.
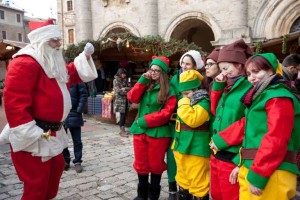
187 93
255 190
233 178
221 78
147 74
213 147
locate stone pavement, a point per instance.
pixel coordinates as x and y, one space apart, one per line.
107 164
107 168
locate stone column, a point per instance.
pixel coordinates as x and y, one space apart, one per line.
83 16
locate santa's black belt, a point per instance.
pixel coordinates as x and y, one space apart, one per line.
46 125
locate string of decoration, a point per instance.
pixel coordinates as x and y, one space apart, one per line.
153 44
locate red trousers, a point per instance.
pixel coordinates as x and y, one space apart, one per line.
41 179
220 187
149 154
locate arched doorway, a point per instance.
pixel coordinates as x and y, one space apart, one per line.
196 31
295 26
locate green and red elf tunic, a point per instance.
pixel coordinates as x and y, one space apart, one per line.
272 126
153 118
227 108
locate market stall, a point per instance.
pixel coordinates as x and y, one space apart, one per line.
281 47
132 53
7 49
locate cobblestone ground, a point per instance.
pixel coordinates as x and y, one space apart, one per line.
107 163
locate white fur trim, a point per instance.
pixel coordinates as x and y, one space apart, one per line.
66 99
4 135
86 68
53 146
23 136
44 33
29 50
27 137
197 57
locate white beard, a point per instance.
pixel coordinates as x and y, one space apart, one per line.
53 61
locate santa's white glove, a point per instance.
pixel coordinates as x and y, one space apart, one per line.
89 49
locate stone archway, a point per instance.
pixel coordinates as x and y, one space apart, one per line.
295 26
119 27
275 18
195 27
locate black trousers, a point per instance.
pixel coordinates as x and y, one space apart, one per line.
122 119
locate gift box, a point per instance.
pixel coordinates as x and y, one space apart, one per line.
107 107
91 105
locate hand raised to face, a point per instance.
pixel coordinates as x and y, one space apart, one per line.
221 78
147 74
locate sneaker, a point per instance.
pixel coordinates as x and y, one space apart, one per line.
67 167
78 168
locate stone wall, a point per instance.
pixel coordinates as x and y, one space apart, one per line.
229 20
10 24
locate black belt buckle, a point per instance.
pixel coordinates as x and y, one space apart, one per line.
46 126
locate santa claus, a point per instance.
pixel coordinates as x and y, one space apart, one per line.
36 102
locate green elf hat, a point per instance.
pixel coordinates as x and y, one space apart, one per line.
189 80
271 58
162 62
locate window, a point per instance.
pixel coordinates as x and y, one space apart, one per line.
20 37
71 36
1 14
3 35
18 18
69 5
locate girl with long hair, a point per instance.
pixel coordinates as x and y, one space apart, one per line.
151 132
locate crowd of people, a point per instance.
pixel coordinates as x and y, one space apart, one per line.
232 132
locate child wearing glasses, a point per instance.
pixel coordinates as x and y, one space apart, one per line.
151 132
211 69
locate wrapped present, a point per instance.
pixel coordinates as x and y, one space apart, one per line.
98 105
107 107
91 105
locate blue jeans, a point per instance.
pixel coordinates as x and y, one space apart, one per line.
77 145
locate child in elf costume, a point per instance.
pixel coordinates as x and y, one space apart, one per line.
228 88
151 131
191 142
270 132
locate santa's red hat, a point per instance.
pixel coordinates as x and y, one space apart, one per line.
43 31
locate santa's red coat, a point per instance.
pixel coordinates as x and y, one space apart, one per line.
30 94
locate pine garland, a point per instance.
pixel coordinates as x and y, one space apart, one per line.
284 43
156 44
258 47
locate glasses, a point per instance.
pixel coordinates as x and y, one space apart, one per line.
155 70
209 64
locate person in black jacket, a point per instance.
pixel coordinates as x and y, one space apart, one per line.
74 121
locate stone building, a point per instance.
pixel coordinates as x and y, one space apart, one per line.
11 23
207 23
